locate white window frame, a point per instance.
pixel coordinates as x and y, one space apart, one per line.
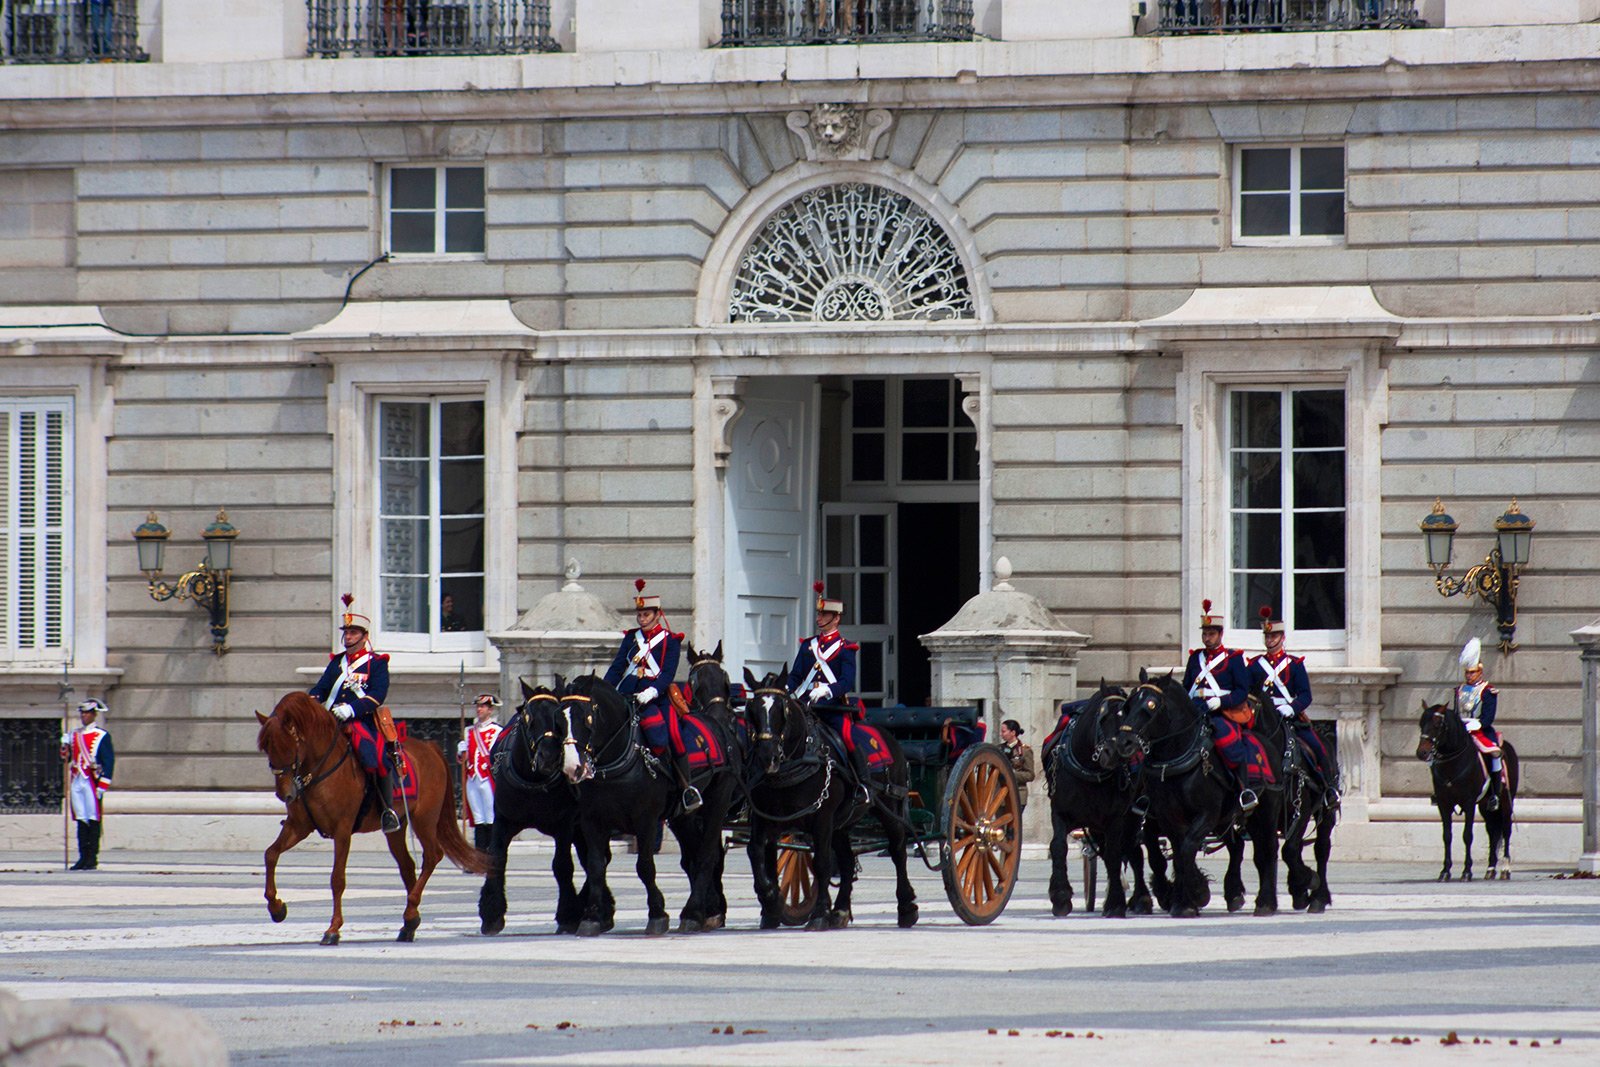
361 380
894 431
1294 236
1286 512
434 640
1210 372
11 604
440 209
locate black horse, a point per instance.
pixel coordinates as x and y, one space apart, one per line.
711 700
802 784
699 833
1304 800
1459 783
1093 778
623 788
530 791
1193 798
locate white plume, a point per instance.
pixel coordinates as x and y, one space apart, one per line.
1471 653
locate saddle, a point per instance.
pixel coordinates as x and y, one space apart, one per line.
869 739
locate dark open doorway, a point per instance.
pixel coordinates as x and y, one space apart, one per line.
938 572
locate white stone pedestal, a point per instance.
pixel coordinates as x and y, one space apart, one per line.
1588 639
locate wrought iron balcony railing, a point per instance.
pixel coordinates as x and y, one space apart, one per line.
71 31
1257 16
427 27
786 22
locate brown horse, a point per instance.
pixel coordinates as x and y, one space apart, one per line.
320 781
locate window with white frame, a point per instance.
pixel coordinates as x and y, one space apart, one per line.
1287 507
1294 191
909 431
431 522
35 526
435 210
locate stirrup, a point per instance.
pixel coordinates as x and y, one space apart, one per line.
390 821
1492 801
1248 801
1140 806
691 800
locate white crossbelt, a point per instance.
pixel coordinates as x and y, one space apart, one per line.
1205 683
1275 679
819 664
350 667
643 664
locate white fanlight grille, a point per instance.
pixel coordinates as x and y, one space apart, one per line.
851 253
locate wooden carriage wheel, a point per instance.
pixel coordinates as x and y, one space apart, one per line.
982 845
797 887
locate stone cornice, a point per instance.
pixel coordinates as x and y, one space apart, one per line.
1408 64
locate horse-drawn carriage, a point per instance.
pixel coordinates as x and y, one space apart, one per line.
963 816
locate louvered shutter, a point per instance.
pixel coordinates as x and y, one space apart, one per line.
35 525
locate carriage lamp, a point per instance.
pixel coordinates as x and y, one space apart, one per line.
206 585
1495 579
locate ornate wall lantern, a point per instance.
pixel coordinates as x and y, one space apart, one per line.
1495 579
206 585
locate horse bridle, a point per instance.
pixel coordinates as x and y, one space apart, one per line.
1436 752
304 783
777 694
629 735
710 702
532 739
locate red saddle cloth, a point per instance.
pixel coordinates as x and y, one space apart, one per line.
696 738
870 740
405 788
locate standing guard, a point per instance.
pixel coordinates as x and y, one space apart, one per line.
1283 679
89 751
1217 679
646 664
354 686
824 672
473 752
1476 703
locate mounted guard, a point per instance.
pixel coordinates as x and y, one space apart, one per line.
822 677
354 686
1283 679
1217 680
646 664
1476 701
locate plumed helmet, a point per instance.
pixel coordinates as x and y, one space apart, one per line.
825 603
1472 655
1207 619
641 601
348 618
1269 625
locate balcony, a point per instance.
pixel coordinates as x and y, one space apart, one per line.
796 22
71 31
1260 16
427 27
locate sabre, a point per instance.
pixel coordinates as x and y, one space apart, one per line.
65 687
461 701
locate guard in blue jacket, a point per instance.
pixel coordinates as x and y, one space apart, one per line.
646 664
354 686
823 675
1476 702
1217 680
1287 687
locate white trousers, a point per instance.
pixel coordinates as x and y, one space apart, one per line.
85 799
480 801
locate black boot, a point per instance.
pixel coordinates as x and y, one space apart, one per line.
94 846
389 820
83 847
691 799
1491 800
863 773
481 836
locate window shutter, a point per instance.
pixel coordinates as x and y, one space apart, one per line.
36 528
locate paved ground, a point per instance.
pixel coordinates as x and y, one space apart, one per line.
1397 965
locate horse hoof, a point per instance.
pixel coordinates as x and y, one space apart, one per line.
278 910
690 926
1061 911
591 928
1114 913
407 934
1316 907
1444 876
1185 913
657 927
1466 876
1234 904
1266 909
566 928
1298 902
838 920
330 938
818 922
715 922
489 928
770 922
1505 875
1141 906
908 917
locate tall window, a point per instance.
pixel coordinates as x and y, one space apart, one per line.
431 523
1286 472
35 526
1289 192
435 210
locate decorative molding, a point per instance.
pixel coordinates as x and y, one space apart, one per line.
831 132
726 407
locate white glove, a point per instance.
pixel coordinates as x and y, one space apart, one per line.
1286 710
343 712
66 739
461 748
821 691
646 695
1473 726
1214 703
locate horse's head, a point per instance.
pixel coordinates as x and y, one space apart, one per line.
708 681
590 709
1434 727
287 736
769 712
1159 706
543 730
1119 728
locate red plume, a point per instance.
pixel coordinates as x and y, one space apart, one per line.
347 599
1265 613
817 587
1205 606
638 583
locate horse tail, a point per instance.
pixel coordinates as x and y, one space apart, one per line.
456 848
